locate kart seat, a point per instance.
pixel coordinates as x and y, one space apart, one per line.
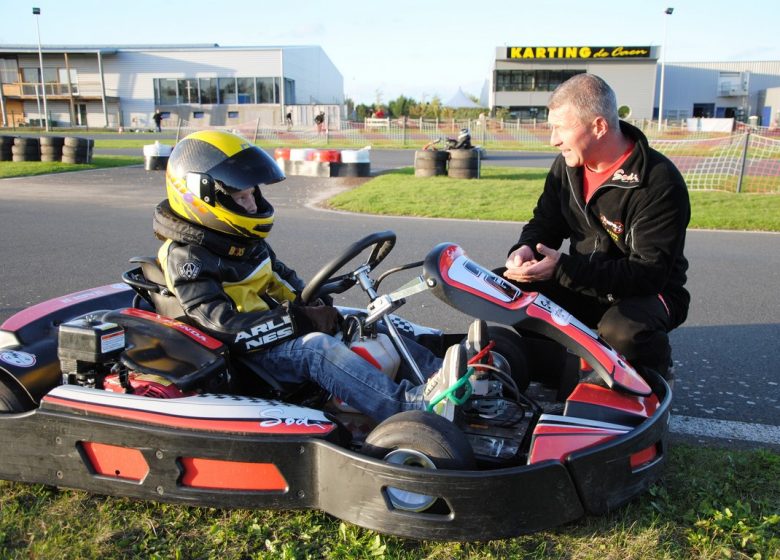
169 349
150 281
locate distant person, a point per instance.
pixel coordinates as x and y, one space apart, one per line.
157 117
380 113
319 120
288 120
462 142
624 208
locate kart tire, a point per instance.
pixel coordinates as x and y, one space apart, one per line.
75 142
56 141
10 401
430 434
27 142
510 345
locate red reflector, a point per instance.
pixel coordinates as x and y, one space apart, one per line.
117 462
231 475
641 458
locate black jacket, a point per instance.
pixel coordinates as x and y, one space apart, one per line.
628 240
235 289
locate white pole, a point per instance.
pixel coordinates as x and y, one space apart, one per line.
668 12
37 12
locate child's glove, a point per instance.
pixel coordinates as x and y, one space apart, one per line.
320 318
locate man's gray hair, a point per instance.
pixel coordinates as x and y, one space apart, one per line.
590 96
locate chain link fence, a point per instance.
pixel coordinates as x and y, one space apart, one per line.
745 161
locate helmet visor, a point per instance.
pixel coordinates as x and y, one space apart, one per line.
246 169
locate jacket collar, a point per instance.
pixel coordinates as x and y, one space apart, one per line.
168 225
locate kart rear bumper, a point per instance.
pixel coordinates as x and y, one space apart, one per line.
52 445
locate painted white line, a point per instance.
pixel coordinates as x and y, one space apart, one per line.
725 429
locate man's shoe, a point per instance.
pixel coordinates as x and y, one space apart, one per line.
449 387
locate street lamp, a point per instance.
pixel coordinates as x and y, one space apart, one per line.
668 12
37 12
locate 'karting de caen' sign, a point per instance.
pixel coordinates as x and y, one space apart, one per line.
533 53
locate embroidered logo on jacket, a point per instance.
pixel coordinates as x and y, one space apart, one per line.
614 229
189 270
621 176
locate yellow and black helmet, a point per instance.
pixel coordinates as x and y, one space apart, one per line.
206 167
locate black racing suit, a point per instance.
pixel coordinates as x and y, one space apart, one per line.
235 289
625 270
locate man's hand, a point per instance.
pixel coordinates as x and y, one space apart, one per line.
522 266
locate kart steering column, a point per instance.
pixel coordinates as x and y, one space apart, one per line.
381 306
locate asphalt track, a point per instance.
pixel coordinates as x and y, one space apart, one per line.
67 232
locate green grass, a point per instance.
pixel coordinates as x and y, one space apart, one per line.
29 168
510 194
710 503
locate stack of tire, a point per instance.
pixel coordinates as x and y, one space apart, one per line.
464 164
26 149
6 143
77 150
51 148
430 163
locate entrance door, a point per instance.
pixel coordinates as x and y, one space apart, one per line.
81 114
703 110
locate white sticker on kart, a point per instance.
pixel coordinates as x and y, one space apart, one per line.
18 359
561 316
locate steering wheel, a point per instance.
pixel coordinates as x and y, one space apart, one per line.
324 282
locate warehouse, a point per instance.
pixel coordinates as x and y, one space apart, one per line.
523 78
102 86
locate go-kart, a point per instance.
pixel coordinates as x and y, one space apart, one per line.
106 390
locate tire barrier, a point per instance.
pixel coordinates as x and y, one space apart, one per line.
51 148
26 149
77 150
6 143
282 153
465 164
430 163
156 156
327 156
324 163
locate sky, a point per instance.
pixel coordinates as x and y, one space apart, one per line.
419 49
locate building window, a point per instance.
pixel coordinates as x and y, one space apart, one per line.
227 90
188 90
208 91
532 80
246 90
266 92
197 114
213 91
69 79
166 92
232 114
9 71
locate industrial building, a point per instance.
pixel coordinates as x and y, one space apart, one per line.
109 86
523 78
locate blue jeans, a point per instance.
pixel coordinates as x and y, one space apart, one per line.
329 363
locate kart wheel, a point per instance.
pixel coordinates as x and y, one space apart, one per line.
10 401
418 439
509 345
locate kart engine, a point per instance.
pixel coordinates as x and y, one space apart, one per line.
89 350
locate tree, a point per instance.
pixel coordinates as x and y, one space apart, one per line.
401 106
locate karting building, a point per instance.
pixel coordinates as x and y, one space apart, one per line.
205 84
524 77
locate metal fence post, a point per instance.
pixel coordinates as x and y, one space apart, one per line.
257 127
743 163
